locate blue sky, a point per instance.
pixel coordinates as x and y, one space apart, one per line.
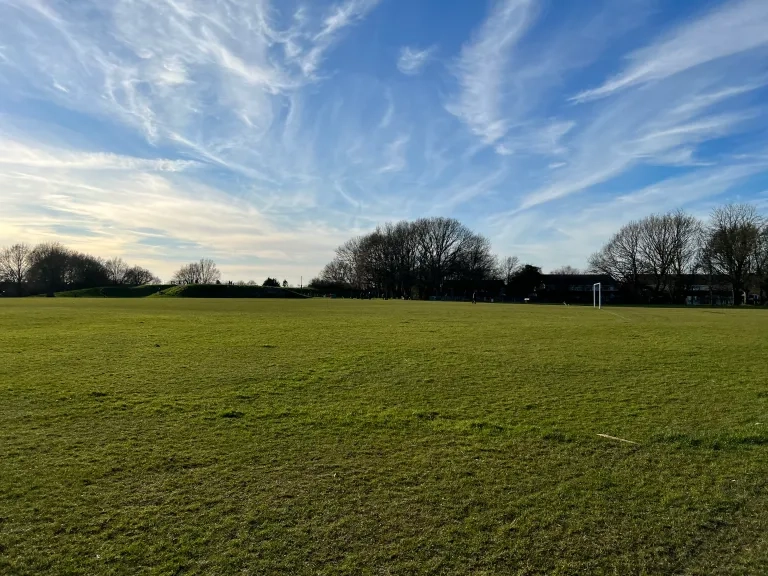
263 134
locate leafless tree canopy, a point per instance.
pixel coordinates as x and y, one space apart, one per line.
733 243
663 247
14 265
761 261
508 267
621 257
669 248
209 272
51 267
654 258
401 258
203 272
138 276
188 274
566 270
117 270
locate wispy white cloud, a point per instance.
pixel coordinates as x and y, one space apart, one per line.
344 14
736 27
164 130
112 213
511 73
395 155
683 190
568 234
480 69
218 83
389 115
709 99
412 60
655 125
467 190
545 140
340 16
19 155
169 54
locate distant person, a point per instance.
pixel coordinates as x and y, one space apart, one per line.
474 297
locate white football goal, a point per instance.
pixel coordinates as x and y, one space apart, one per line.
597 295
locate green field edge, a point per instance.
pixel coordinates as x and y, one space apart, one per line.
195 291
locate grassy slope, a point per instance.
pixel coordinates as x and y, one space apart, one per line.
197 291
114 292
225 291
346 437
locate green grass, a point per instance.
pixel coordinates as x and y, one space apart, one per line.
115 292
182 436
226 291
194 291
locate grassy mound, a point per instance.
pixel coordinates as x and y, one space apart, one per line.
114 292
197 291
226 291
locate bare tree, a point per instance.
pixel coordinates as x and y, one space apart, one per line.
48 267
663 247
209 272
686 252
395 259
203 272
620 258
566 271
475 261
336 272
349 263
732 240
761 263
508 267
14 265
440 242
657 249
138 276
372 261
404 246
116 269
84 270
187 275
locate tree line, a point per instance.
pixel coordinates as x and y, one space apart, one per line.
655 259
658 257
420 259
207 272
50 267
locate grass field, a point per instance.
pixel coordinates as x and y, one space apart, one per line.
172 436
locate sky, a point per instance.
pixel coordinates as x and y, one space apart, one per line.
263 134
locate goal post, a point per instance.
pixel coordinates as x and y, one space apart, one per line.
597 295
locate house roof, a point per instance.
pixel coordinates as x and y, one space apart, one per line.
577 279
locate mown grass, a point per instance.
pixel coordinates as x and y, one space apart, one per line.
227 291
116 292
191 291
166 436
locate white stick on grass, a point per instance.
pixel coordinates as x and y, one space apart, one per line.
619 439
